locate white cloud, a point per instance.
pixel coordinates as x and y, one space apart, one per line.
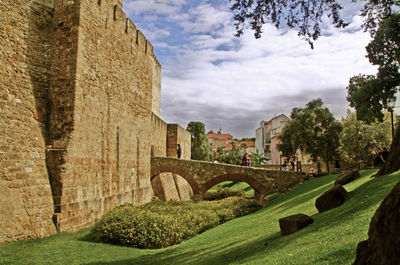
230 83
163 7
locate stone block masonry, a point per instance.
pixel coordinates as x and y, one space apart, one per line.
79 106
26 204
101 127
177 135
167 186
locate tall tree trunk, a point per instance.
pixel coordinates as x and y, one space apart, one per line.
393 160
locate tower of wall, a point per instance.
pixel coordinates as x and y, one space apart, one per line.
26 204
101 117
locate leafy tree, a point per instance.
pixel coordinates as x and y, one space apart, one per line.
230 156
258 158
304 15
314 130
360 140
288 140
248 139
200 148
370 96
364 95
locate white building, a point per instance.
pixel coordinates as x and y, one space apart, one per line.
267 138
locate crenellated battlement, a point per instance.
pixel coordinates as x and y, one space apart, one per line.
86 84
116 19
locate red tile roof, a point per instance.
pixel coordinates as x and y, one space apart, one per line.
248 143
223 136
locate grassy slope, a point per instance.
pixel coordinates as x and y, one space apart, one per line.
235 186
332 239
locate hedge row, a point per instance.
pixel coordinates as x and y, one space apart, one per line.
212 195
160 224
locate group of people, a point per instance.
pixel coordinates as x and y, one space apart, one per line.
290 165
245 160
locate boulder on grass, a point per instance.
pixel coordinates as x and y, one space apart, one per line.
294 223
331 199
347 178
383 244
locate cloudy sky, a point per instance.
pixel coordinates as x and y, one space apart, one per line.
233 83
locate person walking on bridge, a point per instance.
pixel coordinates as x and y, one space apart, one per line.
245 160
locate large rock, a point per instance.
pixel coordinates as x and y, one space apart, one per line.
294 223
331 198
347 178
383 244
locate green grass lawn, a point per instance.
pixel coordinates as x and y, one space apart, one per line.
331 239
249 191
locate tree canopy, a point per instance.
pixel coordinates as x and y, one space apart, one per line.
360 141
230 156
200 148
370 94
313 130
305 15
364 95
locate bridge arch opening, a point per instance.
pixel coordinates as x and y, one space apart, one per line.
259 189
192 183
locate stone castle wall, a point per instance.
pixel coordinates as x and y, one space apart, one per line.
106 118
178 135
26 204
168 186
80 105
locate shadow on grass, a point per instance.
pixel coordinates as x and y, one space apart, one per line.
248 188
228 185
223 254
366 196
301 193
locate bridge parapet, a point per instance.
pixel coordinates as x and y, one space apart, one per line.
203 175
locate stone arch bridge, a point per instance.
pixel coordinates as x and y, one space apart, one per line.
203 175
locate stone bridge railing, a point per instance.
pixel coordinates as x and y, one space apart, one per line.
203 175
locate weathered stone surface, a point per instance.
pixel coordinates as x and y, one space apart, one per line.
383 244
80 101
203 175
330 199
183 187
26 204
347 178
101 119
177 135
164 187
294 223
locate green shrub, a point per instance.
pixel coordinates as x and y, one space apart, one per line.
160 224
223 193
